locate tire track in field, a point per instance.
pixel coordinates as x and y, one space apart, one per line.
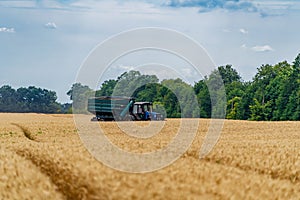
26 132
71 183
275 175
21 179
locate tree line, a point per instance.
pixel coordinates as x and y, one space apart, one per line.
30 99
272 94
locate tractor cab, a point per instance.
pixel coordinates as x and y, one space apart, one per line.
142 110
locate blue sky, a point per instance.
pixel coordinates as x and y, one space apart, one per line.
43 43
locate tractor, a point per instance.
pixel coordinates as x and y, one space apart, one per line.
114 108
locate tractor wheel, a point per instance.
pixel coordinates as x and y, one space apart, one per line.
128 118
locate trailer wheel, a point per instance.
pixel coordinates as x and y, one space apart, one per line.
94 119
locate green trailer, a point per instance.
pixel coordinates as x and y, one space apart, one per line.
113 108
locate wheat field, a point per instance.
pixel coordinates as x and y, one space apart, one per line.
42 157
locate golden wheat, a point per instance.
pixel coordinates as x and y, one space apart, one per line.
42 157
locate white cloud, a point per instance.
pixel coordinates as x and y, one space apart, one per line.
244 46
51 25
258 48
125 67
7 30
226 30
243 31
262 48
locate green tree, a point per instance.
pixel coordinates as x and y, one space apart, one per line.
203 97
234 108
79 94
277 86
180 100
132 82
259 111
149 92
246 101
106 88
8 101
268 86
229 74
33 99
292 109
217 94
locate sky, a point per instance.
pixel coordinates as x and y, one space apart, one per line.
44 43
